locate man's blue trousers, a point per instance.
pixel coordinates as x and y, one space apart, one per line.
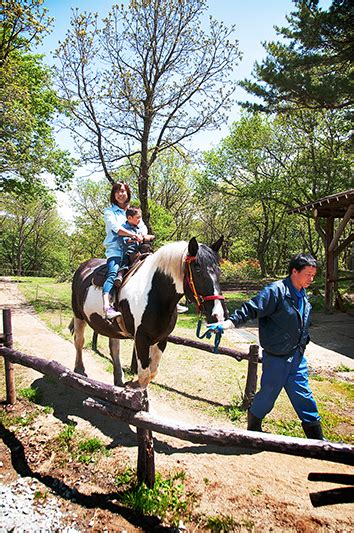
292 374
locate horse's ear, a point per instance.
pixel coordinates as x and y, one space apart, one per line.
216 246
193 247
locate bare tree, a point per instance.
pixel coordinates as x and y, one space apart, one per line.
146 81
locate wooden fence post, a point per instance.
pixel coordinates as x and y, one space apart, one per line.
9 367
146 456
251 383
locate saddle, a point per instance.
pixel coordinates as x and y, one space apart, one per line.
135 261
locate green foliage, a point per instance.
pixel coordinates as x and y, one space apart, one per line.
235 411
89 200
222 523
311 66
168 498
31 393
9 420
162 222
124 478
89 448
248 269
81 448
66 436
34 237
172 202
265 166
29 105
343 368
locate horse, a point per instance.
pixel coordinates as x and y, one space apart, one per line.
147 301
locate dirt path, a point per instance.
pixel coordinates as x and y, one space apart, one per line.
267 491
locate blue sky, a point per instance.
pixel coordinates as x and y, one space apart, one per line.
254 22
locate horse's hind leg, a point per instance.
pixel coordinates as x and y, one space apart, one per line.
79 339
117 367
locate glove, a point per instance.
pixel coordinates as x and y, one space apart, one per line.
214 328
226 324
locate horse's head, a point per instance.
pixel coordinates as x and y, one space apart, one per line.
201 280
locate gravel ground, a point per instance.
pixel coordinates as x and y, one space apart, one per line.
19 507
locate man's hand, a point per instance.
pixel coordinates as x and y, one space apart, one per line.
226 324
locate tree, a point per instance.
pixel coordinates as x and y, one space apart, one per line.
88 202
271 164
171 197
29 102
34 239
312 68
144 83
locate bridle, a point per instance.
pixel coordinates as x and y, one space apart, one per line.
189 281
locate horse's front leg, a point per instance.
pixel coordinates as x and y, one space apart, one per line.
156 350
114 349
148 358
79 339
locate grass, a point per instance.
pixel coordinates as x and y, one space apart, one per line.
222 523
168 499
80 447
32 394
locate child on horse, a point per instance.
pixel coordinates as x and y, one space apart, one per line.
131 246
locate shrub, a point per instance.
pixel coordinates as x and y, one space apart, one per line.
246 269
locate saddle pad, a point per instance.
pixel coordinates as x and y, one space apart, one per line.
99 275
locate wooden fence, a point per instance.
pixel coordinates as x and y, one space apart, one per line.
131 405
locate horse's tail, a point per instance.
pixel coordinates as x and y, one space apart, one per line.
71 326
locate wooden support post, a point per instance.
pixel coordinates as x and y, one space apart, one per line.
9 366
146 456
94 341
251 383
330 267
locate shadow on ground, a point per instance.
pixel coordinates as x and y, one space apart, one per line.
334 332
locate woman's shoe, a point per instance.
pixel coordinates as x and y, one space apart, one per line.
181 308
111 313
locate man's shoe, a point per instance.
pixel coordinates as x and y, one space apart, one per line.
253 422
181 308
111 313
313 430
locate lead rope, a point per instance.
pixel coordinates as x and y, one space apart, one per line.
218 331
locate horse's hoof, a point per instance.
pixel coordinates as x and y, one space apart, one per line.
80 371
133 385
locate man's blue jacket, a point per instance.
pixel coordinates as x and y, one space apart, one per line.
282 329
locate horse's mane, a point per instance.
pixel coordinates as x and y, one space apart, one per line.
170 258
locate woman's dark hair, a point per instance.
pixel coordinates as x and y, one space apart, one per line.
301 261
116 187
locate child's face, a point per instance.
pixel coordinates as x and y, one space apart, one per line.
134 220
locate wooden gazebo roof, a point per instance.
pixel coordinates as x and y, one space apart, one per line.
335 205
340 205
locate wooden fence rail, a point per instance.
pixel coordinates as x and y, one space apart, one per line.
131 406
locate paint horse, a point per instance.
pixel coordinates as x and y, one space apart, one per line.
147 301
